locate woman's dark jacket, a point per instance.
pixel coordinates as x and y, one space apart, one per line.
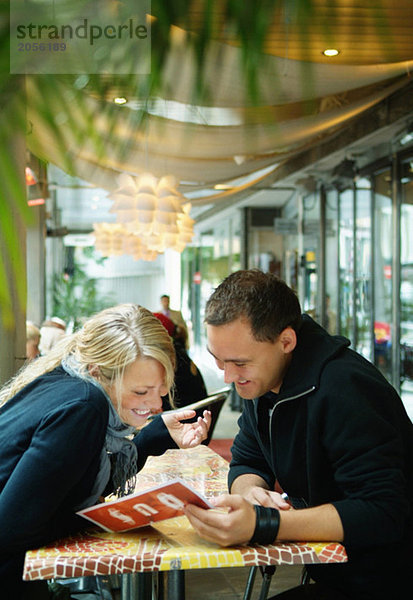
51 437
338 433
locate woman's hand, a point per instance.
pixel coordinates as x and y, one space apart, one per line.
232 526
187 435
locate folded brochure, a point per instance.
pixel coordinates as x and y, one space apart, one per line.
143 508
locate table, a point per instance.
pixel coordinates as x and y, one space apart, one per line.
173 545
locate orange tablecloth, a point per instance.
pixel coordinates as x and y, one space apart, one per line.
171 544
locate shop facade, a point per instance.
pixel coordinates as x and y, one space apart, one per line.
344 245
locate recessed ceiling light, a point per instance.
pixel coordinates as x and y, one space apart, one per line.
120 100
223 186
331 52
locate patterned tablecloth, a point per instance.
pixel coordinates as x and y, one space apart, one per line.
171 544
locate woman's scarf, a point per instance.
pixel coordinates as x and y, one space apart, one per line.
119 455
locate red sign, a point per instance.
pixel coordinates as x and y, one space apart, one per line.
387 271
197 277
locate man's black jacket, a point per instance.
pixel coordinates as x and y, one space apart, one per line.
338 433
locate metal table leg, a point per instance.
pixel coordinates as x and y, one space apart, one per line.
267 573
175 585
137 586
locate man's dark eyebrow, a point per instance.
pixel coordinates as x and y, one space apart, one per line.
233 360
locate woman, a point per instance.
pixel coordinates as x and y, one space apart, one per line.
63 425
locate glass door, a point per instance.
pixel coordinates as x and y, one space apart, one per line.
406 280
332 289
346 264
363 270
383 309
311 255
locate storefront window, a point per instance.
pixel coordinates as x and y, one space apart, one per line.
363 270
311 253
264 243
217 254
331 261
235 231
346 263
406 280
290 254
189 290
383 316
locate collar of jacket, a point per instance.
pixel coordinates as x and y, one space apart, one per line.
315 348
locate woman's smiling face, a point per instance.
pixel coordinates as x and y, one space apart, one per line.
142 389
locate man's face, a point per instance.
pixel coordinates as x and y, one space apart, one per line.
254 367
165 302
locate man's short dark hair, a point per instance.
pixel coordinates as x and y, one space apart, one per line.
268 303
164 296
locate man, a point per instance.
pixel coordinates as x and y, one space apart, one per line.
321 423
177 318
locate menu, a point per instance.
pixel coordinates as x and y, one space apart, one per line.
143 508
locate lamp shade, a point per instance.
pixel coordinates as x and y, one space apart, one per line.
113 239
109 238
154 210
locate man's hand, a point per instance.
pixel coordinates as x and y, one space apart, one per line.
254 488
236 524
187 435
229 527
259 495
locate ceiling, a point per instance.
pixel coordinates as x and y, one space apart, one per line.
373 32
273 105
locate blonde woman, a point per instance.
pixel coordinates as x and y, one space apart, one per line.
66 423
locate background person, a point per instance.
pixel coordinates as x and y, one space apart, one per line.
323 423
32 341
176 317
51 331
64 423
189 383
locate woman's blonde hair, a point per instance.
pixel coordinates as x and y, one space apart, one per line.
109 341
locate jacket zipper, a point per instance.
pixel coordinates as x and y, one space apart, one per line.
272 411
311 389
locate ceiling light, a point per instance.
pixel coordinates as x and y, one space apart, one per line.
223 186
120 100
153 209
331 52
113 239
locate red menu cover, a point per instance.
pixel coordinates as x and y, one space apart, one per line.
143 508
